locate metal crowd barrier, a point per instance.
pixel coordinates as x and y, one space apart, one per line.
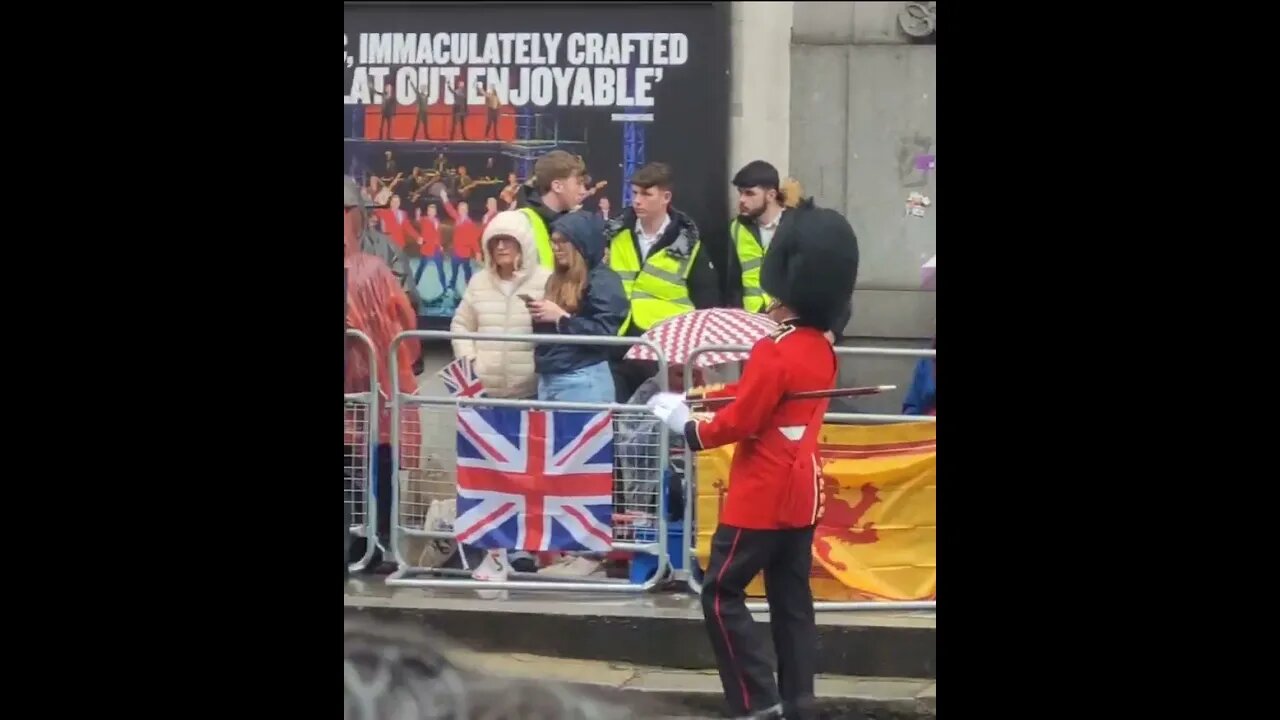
360 437
426 476
690 481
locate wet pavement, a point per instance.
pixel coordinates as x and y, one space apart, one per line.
664 630
373 593
700 691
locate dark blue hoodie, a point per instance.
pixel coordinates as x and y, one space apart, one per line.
603 306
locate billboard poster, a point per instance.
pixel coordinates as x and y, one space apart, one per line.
448 105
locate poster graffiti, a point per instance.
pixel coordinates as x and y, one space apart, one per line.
448 105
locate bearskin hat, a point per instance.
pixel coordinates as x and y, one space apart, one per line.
812 265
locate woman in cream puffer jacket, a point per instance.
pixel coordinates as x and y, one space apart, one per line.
490 305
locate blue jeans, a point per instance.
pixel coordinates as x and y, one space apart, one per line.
463 264
593 383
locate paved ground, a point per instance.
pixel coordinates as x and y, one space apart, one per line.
438 355
653 629
699 690
374 594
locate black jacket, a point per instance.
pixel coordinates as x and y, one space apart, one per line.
601 310
527 197
682 233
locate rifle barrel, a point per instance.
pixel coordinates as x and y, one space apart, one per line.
806 395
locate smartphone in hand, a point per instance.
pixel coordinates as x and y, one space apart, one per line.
526 298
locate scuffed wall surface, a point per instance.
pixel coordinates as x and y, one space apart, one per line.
863 133
760 95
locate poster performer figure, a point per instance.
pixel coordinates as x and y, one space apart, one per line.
775 493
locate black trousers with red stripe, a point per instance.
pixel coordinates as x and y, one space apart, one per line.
785 557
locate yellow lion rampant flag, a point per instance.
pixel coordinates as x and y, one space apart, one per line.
877 537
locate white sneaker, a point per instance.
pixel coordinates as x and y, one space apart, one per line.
573 566
493 568
440 517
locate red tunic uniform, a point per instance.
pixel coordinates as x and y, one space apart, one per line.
772 483
396 225
466 235
430 236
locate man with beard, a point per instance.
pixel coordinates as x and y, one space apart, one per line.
665 271
762 202
760 208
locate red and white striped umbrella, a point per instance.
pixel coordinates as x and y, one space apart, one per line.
678 336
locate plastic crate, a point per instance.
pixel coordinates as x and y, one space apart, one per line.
643 565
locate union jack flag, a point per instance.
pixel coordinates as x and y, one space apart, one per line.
535 480
460 379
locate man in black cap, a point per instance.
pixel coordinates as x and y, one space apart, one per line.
775 493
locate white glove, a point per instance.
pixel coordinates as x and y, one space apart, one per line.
671 409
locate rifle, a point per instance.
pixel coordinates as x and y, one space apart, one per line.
705 402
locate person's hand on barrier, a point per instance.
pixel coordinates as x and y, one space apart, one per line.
671 409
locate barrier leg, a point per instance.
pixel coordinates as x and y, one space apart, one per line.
361 509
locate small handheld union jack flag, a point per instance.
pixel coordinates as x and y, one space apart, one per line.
460 378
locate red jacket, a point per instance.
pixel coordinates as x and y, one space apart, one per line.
395 223
466 235
430 235
772 483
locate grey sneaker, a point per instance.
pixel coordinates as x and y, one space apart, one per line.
573 566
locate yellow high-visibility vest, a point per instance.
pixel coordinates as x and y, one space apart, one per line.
541 238
751 257
657 290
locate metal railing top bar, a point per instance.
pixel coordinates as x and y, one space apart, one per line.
527 404
540 338
887 352
399 579
534 338
875 419
855 605
883 352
